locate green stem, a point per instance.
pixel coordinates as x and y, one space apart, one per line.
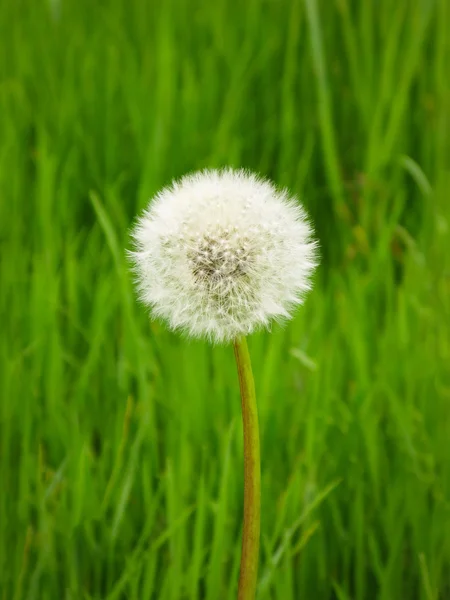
252 474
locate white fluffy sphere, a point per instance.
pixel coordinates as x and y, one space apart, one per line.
219 254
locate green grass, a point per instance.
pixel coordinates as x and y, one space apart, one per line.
120 444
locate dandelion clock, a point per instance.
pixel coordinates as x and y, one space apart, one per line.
218 255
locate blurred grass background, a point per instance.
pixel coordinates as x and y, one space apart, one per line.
120 444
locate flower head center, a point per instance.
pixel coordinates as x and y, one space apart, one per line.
220 259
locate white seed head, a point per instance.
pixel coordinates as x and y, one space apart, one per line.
219 254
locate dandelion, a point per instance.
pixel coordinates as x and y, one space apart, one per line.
220 254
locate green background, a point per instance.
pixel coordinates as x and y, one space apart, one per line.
120 443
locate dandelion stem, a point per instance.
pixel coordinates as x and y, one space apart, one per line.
252 474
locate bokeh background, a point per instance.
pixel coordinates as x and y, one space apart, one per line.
120 443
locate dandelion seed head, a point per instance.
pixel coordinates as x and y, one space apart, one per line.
219 254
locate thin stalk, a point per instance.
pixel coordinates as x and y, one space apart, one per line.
252 474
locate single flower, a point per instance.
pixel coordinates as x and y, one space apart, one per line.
219 254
